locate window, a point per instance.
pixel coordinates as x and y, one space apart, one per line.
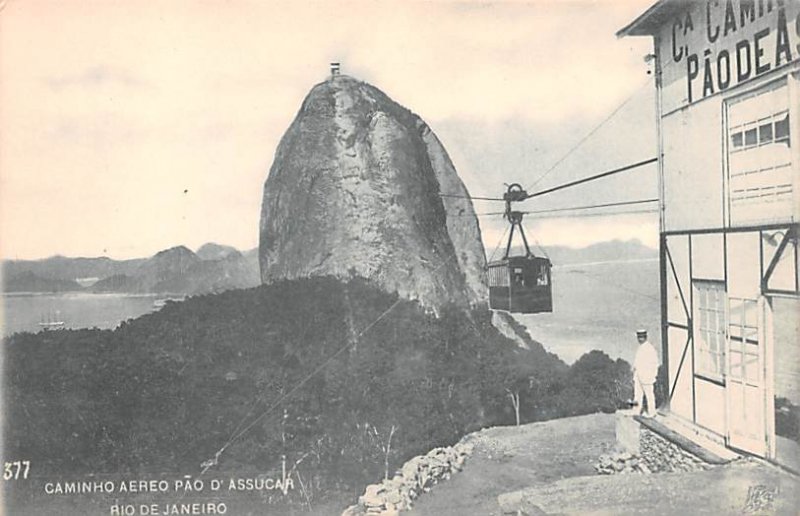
498 276
543 278
710 328
759 156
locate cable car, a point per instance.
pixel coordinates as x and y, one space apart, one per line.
519 284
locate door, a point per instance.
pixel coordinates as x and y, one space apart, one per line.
745 383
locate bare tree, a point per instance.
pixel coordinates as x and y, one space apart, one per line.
514 395
386 451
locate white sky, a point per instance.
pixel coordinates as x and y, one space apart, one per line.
129 127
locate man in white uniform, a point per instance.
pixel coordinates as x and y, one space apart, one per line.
645 369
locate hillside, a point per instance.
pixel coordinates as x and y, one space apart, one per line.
70 269
166 391
213 251
27 281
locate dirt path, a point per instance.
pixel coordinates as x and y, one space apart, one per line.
512 458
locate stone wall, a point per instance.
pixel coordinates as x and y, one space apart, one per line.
655 455
417 476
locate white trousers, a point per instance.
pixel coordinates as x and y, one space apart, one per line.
644 390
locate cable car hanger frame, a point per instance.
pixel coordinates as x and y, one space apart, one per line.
523 284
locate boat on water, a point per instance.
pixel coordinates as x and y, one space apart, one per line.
160 302
53 321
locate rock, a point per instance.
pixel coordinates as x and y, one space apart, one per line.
417 475
354 190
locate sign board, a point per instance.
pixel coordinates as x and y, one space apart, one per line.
712 46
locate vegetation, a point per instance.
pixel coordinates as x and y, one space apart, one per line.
787 419
344 380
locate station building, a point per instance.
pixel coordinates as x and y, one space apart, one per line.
728 111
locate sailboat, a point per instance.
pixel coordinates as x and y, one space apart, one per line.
53 321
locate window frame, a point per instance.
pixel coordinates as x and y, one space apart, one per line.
703 352
746 198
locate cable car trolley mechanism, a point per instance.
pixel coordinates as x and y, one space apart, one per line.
521 283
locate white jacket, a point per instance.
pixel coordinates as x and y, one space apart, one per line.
645 365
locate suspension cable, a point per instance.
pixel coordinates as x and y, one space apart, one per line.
457 196
575 215
502 237
592 178
606 205
587 207
624 168
590 134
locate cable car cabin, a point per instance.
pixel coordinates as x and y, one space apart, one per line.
520 284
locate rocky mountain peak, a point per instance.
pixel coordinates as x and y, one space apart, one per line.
354 190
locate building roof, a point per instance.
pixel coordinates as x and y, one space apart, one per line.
649 21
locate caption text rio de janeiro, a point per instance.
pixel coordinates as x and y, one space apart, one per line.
170 509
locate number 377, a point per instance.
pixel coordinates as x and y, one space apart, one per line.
16 470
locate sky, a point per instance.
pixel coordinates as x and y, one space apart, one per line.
131 127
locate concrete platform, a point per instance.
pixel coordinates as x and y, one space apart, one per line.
690 445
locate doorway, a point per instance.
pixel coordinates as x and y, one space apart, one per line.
745 376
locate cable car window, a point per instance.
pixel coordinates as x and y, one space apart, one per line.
543 278
519 278
498 276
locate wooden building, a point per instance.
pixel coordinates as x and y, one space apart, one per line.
728 112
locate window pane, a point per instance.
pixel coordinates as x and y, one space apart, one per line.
716 363
765 133
736 364
751 314
751 367
751 137
737 139
782 128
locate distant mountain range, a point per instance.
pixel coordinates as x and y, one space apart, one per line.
611 251
178 270
214 268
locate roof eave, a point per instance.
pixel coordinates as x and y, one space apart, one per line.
648 22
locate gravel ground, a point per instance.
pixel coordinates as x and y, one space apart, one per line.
511 458
547 468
